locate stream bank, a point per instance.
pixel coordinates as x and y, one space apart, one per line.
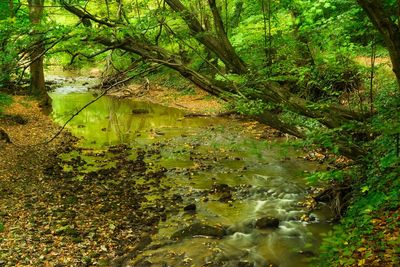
154 189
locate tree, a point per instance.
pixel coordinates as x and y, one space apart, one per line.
36 67
385 16
327 114
11 6
217 42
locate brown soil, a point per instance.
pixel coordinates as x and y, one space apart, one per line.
366 61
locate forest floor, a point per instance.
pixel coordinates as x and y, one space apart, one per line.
49 219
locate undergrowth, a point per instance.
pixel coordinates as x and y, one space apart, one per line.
5 100
368 234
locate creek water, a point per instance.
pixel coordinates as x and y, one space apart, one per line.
231 177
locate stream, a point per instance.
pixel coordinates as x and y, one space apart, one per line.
225 198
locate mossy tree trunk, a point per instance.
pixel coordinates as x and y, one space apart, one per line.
218 42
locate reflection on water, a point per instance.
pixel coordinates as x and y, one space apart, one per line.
111 121
198 157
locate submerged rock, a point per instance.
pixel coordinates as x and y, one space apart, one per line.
176 198
267 222
190 207
220 188
225 197
140 111
199 229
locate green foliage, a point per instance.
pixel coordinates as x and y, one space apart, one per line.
5 100
329 78
1 227
11 44
4 10
249 107
326 176
376 190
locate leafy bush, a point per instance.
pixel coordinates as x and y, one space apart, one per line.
329 78
249 107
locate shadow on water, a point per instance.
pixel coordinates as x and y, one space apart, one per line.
225 178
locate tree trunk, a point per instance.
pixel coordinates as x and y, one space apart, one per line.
236 15
390 31
11 6
36 68
220 45
330 115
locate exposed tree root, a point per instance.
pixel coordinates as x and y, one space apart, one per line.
338 196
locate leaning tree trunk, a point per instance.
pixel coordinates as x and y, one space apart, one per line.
36 68
332 116
217 43
388 27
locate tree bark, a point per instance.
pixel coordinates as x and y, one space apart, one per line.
220 45
388 28
36 68
11 6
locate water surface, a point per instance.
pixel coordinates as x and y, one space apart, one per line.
200 154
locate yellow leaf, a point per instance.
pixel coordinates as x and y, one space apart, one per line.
361 249
361 262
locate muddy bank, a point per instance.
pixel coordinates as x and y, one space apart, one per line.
193 101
